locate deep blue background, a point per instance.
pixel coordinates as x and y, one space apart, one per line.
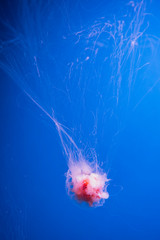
33 200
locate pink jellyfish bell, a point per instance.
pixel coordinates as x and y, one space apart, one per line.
87 183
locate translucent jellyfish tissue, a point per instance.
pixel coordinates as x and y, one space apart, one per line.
86 182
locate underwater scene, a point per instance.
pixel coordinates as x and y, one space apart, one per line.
80 119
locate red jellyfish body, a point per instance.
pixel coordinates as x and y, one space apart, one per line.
87 185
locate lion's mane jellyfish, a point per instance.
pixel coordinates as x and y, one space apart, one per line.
86 182
92 85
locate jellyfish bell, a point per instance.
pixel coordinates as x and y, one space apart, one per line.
87 183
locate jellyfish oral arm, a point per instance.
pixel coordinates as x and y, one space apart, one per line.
86 184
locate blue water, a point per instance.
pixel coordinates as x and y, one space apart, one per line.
75 77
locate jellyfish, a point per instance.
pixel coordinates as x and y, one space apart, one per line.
86 183
20 59
101 74
85 180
